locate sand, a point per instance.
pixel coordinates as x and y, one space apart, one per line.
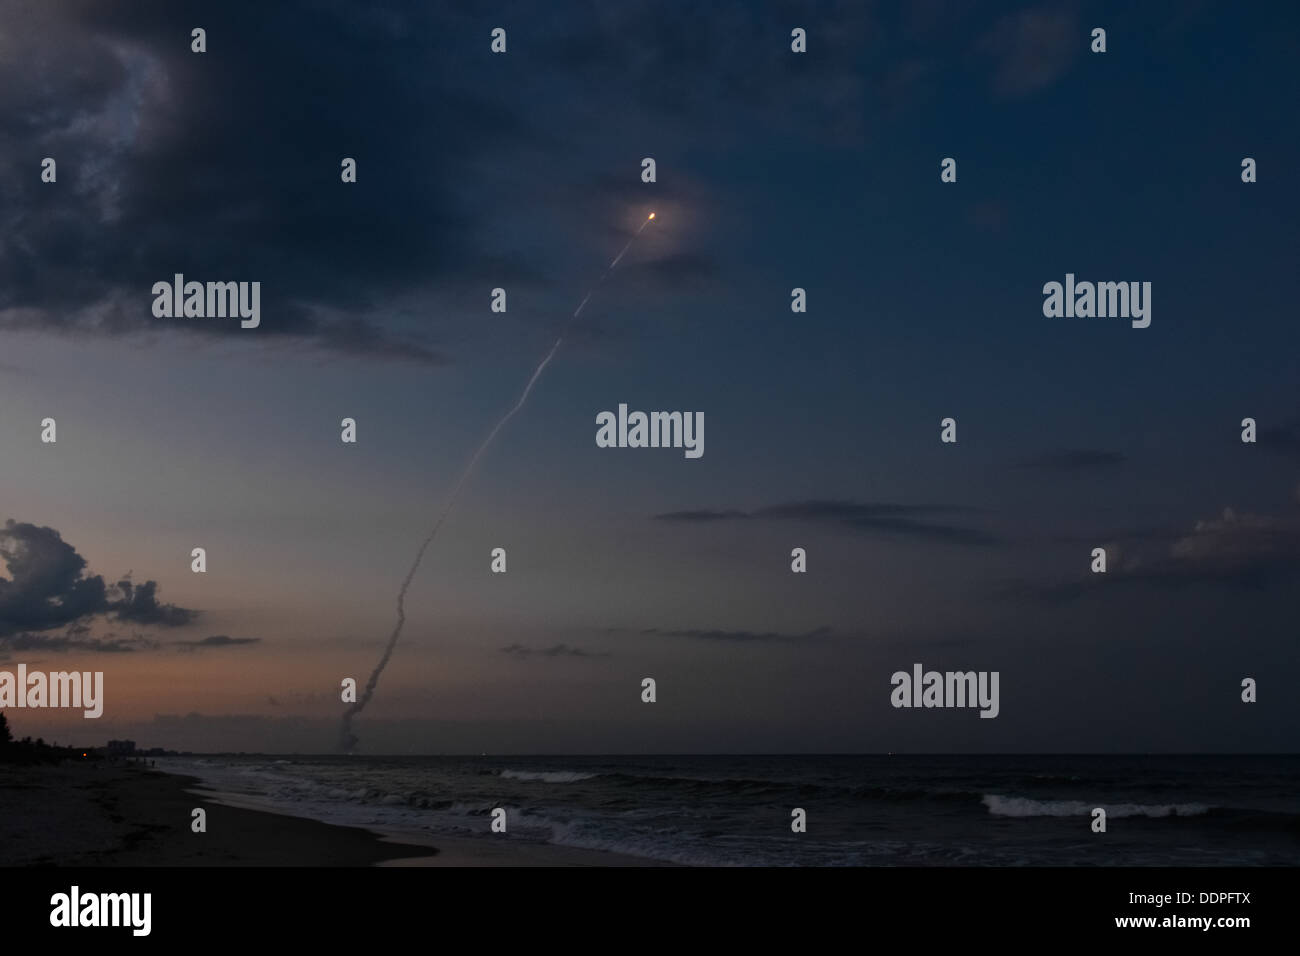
111 814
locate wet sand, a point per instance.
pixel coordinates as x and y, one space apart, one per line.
112 814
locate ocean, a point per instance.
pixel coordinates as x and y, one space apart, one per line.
877 810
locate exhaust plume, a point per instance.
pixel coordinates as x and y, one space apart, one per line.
347 739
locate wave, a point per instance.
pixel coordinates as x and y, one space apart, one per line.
1010 806
756 788
547 776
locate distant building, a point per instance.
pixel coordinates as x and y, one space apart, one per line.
121 748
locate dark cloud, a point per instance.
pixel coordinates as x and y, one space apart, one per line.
556 650
72 642
719 635
301 698
225 166
1234 550
218 640
873 518
139 603
1149 533
48 587
1071 461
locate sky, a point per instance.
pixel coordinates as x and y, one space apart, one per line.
774 170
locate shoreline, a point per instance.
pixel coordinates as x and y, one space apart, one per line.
105 814
438 849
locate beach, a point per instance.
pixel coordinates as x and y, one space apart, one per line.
700 810
112 814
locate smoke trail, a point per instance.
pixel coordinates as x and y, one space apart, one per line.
347 739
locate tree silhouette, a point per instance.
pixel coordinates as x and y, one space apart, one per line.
6 735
